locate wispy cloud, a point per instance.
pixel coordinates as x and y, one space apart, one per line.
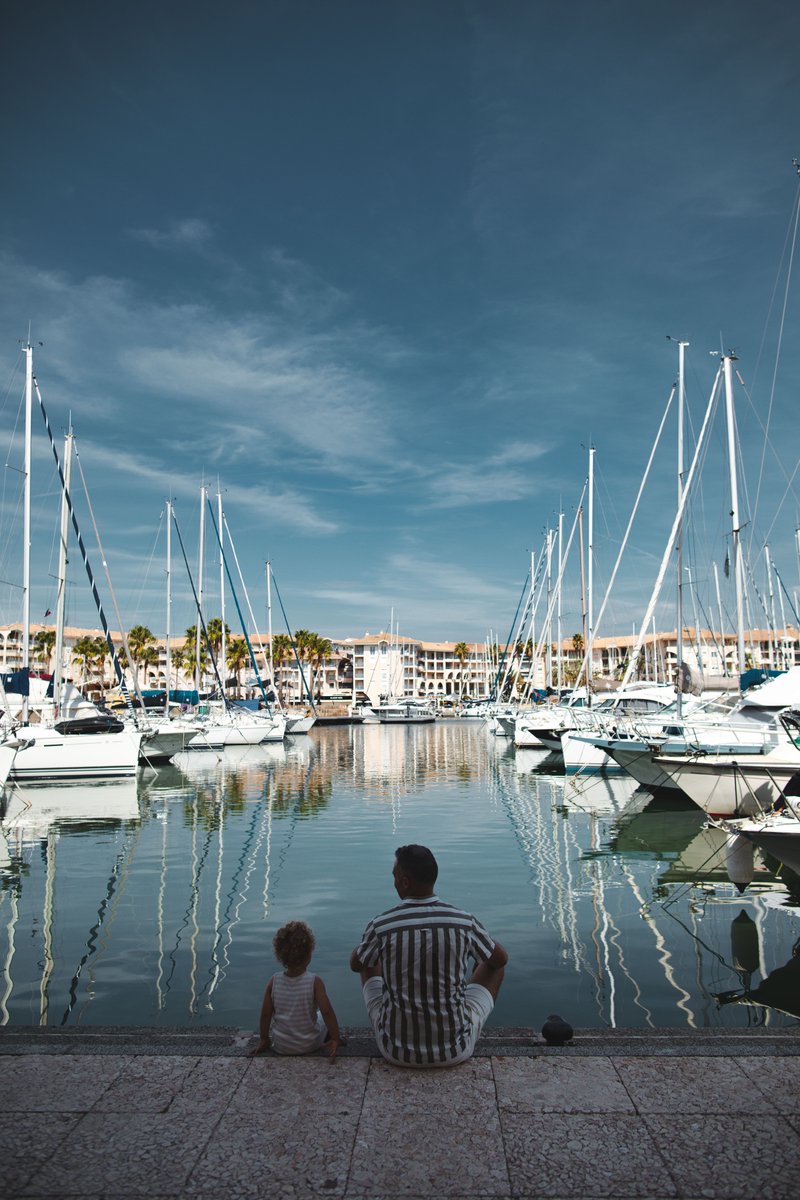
189 233
500 478
288 388
287 506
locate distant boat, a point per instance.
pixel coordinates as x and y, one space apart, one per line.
402 712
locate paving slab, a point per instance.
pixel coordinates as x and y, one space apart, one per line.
541 1085
187 1115
124 1153
578 1155
27 1141
258 1153
727 1157
705 1085
71 1083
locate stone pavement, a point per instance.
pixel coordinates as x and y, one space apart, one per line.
181 1114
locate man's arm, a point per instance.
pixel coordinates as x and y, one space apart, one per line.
498 957
490 972
355 962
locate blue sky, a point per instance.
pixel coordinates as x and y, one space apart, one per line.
385 271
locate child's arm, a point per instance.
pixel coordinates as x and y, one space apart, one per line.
329 1017
265 1021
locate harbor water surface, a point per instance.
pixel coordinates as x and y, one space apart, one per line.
154 902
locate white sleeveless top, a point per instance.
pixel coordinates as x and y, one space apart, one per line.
297 1027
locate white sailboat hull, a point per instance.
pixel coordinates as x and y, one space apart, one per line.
46 756
637 760
726 787
582 755
239 732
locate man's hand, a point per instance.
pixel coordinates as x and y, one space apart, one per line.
262 1046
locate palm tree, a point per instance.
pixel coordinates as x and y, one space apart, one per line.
139 639
101 653
320 650
281 653
84 652
304 642
43 643
149 656
186 657
461 653
214 631
237 655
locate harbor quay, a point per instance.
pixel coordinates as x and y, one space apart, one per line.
182 1115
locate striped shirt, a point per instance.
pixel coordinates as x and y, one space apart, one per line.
423 948
297 1027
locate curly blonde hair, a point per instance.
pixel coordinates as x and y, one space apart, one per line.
294 944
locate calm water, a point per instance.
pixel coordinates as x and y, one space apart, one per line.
154 903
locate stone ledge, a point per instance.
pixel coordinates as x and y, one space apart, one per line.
508 1042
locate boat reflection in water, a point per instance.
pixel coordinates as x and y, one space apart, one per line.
38 817
154 902
777 990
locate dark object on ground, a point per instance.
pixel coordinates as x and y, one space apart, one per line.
556 1031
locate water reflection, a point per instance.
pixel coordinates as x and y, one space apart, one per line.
154 902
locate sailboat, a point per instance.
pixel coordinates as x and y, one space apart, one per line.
68 749
228 724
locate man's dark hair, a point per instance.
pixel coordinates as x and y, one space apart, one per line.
418 863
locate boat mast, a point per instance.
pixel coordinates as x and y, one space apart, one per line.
590 556
771 626
200 566
61 597
222 647
168 638
26 532
549 626
681 462
558 599
271 659
721 623
727 361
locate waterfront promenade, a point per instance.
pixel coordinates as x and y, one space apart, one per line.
179 1114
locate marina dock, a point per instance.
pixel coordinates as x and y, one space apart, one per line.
179 1114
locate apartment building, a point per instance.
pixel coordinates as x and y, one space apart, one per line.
381 665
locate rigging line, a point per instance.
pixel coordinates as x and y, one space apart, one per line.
786 594
242 898
779 346
493 694
787 489
102 941
122 633
685 888
137 606
6 973
216 971
762 426
516 637
294 647
242 621
256 634
687 487
195 888
94 932
200 616
560 577
720 958
84 555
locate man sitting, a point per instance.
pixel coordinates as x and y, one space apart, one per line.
413 960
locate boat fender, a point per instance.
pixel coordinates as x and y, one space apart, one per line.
556 1031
